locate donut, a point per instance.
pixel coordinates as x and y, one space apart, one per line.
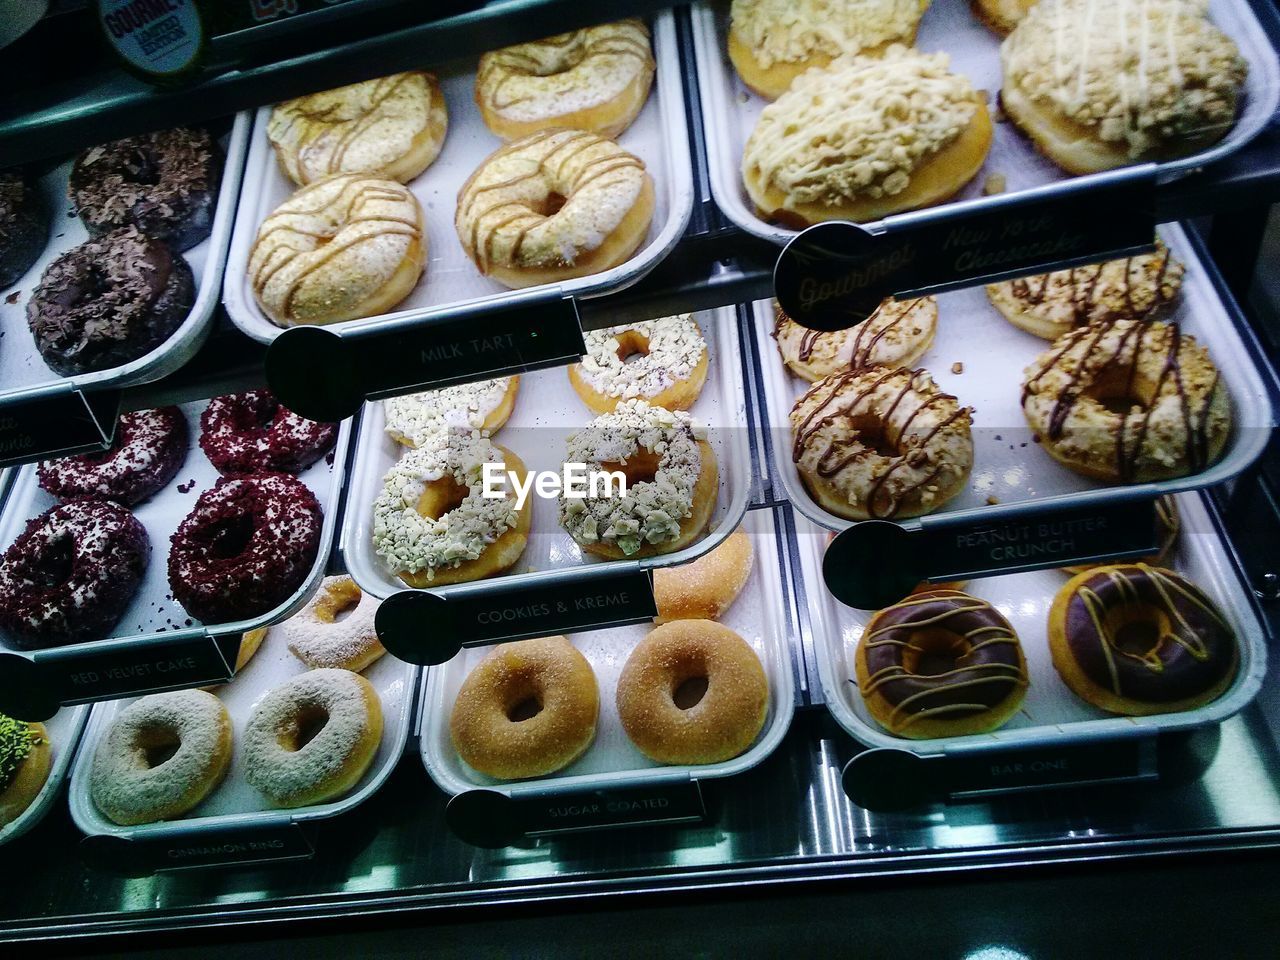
335 629
896 335
663 361
528 709
342 248
1142 287
415 418
1097 84
1168 525
432 523
312 738
1001 15
250 642
25 759
246 546
109 301
693 692
146 452
392 128
940 664
864 138
1139 640
24 225
771 42
162 756
253 432
705 588
71 574
553 206
594 79
165 183
1127 402
878 444
672 482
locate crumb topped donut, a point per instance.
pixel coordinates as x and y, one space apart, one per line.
1001 15
707 587
335 628
25 759
253 432
24 224
415 418
148 448
896 335
663 361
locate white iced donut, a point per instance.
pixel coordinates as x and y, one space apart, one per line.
417 417
663 361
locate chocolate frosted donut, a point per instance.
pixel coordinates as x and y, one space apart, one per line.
165 183
251 432
71 574
24 225
148 449
109 301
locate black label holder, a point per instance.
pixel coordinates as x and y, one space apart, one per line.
249 840
56 423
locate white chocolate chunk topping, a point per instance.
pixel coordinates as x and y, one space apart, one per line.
673 348
416 417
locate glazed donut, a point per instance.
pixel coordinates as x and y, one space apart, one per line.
771 42
663 361
1128 402
165 183
342 248
704 589
392 128
595 79
896 335
71 574
940 664
24 225
1140 640
253 432
1168 525
335 629
864 138
528 709
248 544
25 759
109 301
312 738
432 523
146 452
692 691
415 418
556 205
672 482
876 443
1142 287
162 755
1001 16
1098 84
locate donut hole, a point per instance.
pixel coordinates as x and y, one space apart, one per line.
641 467
549 205
870 432
932 653
157 747
1118 392
228 537
632 346
522 700
689 692
524 709
338 602
441 496
310 720
1136 629
52 566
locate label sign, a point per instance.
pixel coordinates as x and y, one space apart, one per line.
57 425
159 37
216 847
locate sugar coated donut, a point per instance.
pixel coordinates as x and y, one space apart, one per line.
896 335
161 756
663 361
596 79
528 709
148 448
253 432
25 759
416 418
335 629
672 482
312 738
1168 525
704 589
1001 15
24 225
692 691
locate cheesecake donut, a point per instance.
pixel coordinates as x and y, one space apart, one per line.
146 452
253 432
162 755
595 79
528 709
335 629
1139 640
864 138
662 361
879 444
392 128
672 482
554 206
312 738
24 225
707 587
25 759
432 524
1128 402
1001 15
896 335
341 248
1168 526
415 418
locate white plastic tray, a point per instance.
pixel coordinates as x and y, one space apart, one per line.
612 761
1007 465
730 110
546 411
25 376
64 729
1051 713
659 137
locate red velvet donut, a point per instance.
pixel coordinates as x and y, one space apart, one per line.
252 432
148 449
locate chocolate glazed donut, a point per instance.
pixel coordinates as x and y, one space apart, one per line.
24 225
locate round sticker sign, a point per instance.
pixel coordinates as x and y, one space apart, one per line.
161 37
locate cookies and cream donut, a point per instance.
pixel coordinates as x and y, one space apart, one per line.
1001 15
25 759
1128 401
1098 84
896 335
345 247
596 79
392 127
707 587
866 137
335 628
148 448
672 482
663 361
485 405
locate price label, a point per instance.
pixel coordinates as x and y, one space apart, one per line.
57 425
216 847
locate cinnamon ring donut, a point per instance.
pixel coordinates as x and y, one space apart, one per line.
253 432
146 452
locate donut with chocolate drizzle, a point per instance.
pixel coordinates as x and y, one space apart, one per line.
896 335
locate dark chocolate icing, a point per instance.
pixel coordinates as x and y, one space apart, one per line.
24 225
